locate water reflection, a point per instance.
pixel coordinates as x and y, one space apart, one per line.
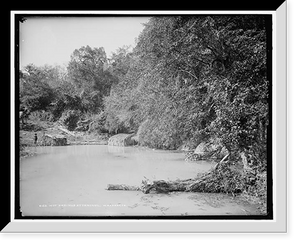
116 149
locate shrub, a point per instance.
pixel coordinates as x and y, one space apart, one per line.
158 134
70 118
98 123
42 115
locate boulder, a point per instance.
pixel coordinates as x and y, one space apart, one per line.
187 147
212 149
201 149
122 140
54 140
135 139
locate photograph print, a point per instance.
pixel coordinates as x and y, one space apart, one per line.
144 116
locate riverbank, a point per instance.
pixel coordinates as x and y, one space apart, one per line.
45 128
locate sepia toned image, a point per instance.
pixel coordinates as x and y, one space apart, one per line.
139 116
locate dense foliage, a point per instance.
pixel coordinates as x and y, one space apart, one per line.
193 78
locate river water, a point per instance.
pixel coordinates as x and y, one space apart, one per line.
72 181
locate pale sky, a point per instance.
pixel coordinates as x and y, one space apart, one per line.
52 40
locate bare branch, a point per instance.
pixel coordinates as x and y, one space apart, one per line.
194 76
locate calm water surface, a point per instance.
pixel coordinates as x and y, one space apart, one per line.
72 180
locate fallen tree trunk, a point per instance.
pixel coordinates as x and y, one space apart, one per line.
222 178
121 187
158 186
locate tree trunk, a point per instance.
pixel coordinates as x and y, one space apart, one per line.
214 180
121 187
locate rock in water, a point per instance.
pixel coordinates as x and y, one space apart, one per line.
201 149
54 140
213 149
121 140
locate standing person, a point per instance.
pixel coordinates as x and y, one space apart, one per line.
35 139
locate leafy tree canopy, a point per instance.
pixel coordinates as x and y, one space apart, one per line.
88 71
